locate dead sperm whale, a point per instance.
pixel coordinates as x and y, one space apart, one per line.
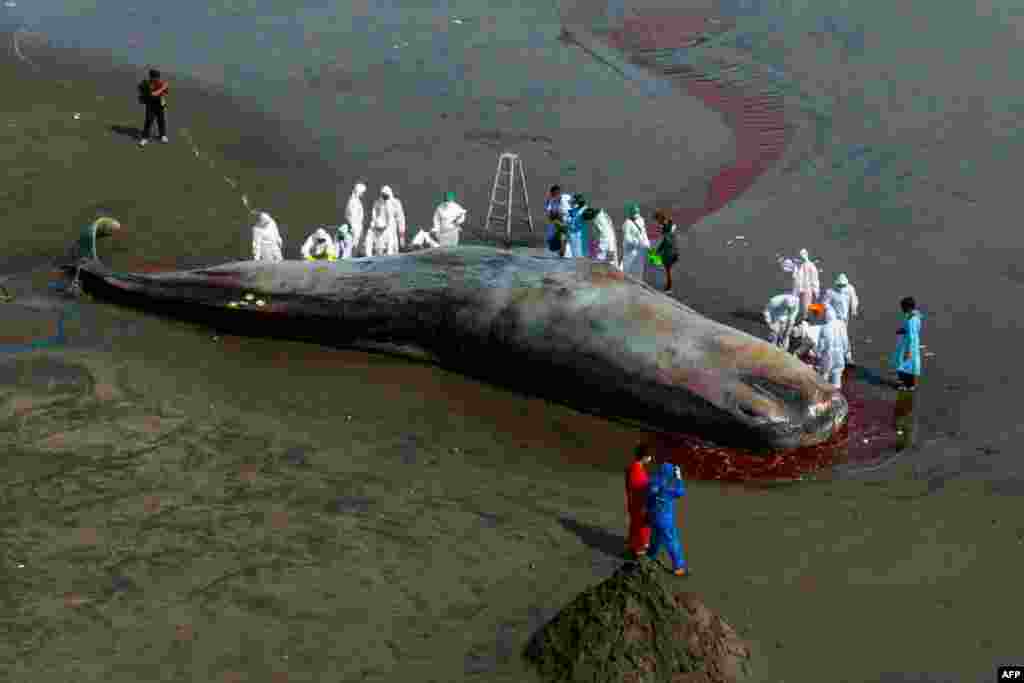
574 331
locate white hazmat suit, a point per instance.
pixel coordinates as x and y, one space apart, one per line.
448 220
832 348
635 245
805 282
266 239
387 225
424 240
780 315
319 246
355 216
843 298
607 243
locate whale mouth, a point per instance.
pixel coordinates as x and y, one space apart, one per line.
791 415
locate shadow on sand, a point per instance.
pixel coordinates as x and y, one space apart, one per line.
597 538
749 316
127 131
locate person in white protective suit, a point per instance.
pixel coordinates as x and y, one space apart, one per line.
355 217
448 220
266 239
831 350
780 315
843 298
387 224
804 339
635 242
423 240
805 282
607 242
319 247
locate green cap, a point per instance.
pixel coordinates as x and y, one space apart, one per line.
449 196
632 209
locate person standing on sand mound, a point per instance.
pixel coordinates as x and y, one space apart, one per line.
637 482
666 485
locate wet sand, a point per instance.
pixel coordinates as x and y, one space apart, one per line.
175 518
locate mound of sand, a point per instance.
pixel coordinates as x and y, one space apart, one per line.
637 626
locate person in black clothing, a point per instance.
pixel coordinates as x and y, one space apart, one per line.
153 94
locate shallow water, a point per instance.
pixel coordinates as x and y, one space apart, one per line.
382 87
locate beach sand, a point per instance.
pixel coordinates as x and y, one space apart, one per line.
166 516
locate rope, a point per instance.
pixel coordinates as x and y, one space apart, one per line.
232 183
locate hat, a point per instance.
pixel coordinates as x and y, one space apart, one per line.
841 280
589 213
449 196
578 200
632 209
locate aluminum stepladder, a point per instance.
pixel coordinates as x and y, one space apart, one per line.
514 168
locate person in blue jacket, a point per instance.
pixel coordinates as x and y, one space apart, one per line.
665 486
577 228
906 360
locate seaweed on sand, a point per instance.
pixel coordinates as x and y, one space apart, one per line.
639 626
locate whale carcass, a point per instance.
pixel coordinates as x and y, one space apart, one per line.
571 330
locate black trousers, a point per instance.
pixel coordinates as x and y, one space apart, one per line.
155 113
907 380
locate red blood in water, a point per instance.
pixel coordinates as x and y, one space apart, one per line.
758 120
868 433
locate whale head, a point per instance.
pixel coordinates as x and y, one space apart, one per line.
663 364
